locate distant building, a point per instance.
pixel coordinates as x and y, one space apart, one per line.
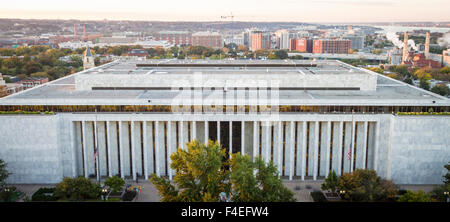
32 82
3 88
207 39
283 38
333 46
88 59
260 40
14 88
446 57
420 61
175 37
356 42
301 45
118 39
138 53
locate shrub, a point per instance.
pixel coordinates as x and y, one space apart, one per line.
129 195
366 185
420 196
331 182
42 194
115 183
77 189
318 196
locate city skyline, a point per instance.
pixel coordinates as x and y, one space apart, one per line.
319 11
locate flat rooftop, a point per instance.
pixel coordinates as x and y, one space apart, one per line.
386 91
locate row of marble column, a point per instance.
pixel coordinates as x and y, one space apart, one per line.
302 149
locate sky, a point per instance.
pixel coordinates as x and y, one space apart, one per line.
320 11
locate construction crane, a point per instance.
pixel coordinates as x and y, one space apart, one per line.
231 16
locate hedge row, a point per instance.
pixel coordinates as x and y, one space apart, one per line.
26 112
423 113
40 195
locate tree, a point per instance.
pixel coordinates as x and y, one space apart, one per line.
447 175
441 89
202 172
376 69
424 84
445 70
423 73
331 182
418 196
408 80
4 174
115 183
438 192
281 54
265 187
77 189
366 185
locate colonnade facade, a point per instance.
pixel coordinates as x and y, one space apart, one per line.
299 149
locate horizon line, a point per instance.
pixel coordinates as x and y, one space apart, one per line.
220 21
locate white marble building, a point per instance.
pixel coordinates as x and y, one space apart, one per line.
308 118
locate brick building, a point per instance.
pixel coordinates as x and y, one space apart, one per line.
175 37
207 39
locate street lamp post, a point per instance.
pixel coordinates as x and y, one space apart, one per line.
104 192
446 193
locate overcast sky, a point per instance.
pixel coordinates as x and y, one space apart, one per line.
243 10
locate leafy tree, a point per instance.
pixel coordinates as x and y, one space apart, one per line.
441 89
77 189
281 54
331 182
424 84
423 73
408 80
265 187
447 175
115 183
376 69
3 174
419 196
366 185
438 192
202 173
445 70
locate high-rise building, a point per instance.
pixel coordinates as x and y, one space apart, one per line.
332 46
260 40
301 45
356 41
207 39
283 38
309 117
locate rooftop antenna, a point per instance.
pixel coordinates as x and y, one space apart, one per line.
231 16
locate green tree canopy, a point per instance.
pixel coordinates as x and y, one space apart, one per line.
3 174
366 185
331 182
441 89
418 196
202 173
115 183
77 189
